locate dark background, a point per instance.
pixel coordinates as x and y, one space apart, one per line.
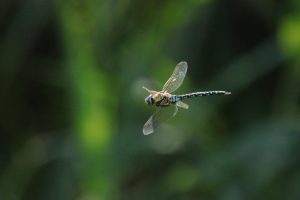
72 104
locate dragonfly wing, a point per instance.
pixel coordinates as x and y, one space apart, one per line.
149 125
160 116
182 105
175 111
176 78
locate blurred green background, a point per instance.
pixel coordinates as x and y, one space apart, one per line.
72 103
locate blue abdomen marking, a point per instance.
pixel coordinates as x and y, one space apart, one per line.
175 99
198 94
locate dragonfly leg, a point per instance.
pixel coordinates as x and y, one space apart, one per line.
150 91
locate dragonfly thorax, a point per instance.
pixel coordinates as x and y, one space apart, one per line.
158 99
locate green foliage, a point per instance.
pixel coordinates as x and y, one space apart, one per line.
72 103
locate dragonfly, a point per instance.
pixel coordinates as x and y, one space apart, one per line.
164 98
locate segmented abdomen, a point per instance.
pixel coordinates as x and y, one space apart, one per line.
174 99
198 94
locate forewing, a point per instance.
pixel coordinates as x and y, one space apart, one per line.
161 115
149 125
176 78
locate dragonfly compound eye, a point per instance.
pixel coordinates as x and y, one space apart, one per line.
149 100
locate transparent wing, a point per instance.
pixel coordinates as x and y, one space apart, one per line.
149 125
159 116
176 78
182 105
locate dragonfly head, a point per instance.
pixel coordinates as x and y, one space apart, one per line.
149 100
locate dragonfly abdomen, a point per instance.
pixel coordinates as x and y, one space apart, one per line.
174 99
201 94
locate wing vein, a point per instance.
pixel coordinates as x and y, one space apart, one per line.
176 79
